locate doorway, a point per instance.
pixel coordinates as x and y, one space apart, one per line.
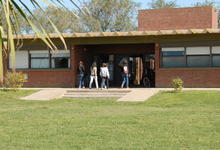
141 69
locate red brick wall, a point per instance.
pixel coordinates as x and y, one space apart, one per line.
192 77
51 77
178 18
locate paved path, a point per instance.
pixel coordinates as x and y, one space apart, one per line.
139 95
45 94
136 94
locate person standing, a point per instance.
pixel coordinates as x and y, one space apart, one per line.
125 75
81 70
93 75
104 73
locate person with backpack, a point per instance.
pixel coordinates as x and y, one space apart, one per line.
125 75
81 70
93 75
104 73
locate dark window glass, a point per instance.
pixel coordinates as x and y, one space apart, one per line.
60 62
216 61
169 62
198 61
173 53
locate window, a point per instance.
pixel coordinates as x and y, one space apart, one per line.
60 59
21 60
216 56
198 56
173 57
39 59
203 56
198 61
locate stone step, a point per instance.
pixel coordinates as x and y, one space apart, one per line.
93 96
98 91
88 93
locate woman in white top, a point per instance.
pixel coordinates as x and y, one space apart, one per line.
125 75
93 75
104 73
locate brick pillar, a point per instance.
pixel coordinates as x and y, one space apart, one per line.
157 62
80 53
74 62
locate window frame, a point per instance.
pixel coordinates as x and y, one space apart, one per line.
38 58
185 55
161 54
216 54
68 58
49 59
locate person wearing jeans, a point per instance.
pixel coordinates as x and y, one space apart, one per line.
125 75
81 70
104 73
125 80
93 75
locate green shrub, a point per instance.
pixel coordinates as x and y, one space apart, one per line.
14 80
177 84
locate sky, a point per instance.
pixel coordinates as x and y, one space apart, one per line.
144 3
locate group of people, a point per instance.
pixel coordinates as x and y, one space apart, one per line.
104 75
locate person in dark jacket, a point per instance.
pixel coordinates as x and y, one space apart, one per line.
81 70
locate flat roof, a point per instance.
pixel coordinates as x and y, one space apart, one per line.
126 34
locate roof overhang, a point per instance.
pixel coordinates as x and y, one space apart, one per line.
126 34
132 36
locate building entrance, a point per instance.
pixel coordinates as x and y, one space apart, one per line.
141 69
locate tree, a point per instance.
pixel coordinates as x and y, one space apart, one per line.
108 15
205 3
10 25
157 4
64 19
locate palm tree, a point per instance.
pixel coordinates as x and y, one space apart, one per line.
10 9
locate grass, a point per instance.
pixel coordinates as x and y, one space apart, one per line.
175 121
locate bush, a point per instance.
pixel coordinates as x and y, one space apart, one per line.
177 84
14 80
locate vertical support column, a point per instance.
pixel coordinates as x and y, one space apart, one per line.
79 53
157 62
74 63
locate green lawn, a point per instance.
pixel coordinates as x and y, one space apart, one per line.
168 121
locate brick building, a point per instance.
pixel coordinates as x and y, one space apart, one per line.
170 43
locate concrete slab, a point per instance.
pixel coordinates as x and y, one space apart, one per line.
136 94
139 95
46 94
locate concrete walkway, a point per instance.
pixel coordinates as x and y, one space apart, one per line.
45 94
139 95
136 94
